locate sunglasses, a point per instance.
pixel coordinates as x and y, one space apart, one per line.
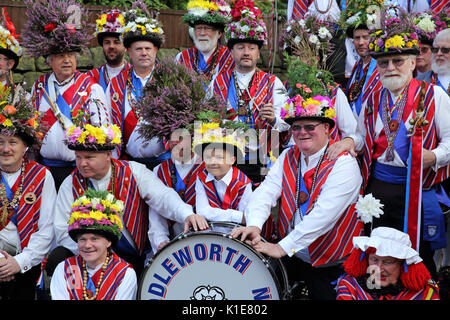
384 63
443 50
307 127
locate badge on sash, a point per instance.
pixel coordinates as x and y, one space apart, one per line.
115 97
30 198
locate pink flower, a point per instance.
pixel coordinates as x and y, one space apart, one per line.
306 89
283 113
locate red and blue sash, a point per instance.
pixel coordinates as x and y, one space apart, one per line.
336 243
26 216
112 278
99 75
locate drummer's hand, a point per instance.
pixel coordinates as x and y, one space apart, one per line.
196 221
273 250
251 234
162 244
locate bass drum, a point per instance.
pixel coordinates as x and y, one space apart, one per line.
210 265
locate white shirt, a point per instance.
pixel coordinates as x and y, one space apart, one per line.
53 146
444 79
333 14
338 192
158 231
218 214
59 288
41 240
441 118
415 5
158 196
280 97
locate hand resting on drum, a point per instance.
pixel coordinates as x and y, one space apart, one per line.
196 221
251 235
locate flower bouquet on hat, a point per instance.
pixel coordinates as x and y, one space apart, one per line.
55 26
247 25
397 34
211 12
109 24
361 14
96 212
308 38
18 116
174 99
9 43
141 24
428 26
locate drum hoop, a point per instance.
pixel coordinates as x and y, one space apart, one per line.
182 236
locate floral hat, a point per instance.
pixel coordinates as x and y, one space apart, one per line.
214 12
310 89
9 44
55 26
247 25
109 24
361 14
141 25
18 116
428 26
308 38
388 242
397 35
219 135
174 99
96 212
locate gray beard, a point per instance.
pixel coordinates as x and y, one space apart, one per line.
394 84
440 69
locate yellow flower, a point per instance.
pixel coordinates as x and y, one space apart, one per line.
395 41
409 44
371 45
329 113
8 123
311 101
211 6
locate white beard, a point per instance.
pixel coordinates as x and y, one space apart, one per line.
394 83
440 69
206 46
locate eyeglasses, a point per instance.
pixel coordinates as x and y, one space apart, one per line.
204 28
307 127
385 262
424 49
443 50
384 63
4 59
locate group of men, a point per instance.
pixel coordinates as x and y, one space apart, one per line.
396 123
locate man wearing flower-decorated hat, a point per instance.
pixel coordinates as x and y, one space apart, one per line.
317 217
142 37
207 57
358 20
128 181
27 195
108 33
405 139
385 267
62 93
96 273
253 96
10 49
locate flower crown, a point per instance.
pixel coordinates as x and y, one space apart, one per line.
49 29
111 21
315 107
361 13
141 24
96 210
308 38
428 26
8 36
213 12
94 138
17 115
397 35
247 24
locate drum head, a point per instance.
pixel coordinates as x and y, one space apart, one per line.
208 266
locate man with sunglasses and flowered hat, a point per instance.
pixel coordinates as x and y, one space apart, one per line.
404 139
317 217
10 49
27 197
108 33
60 94
208 57
142 37
96 273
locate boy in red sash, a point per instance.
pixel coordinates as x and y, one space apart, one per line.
317 218
65 92
108 31
385 267
97 273
27 195
405 139
207 57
